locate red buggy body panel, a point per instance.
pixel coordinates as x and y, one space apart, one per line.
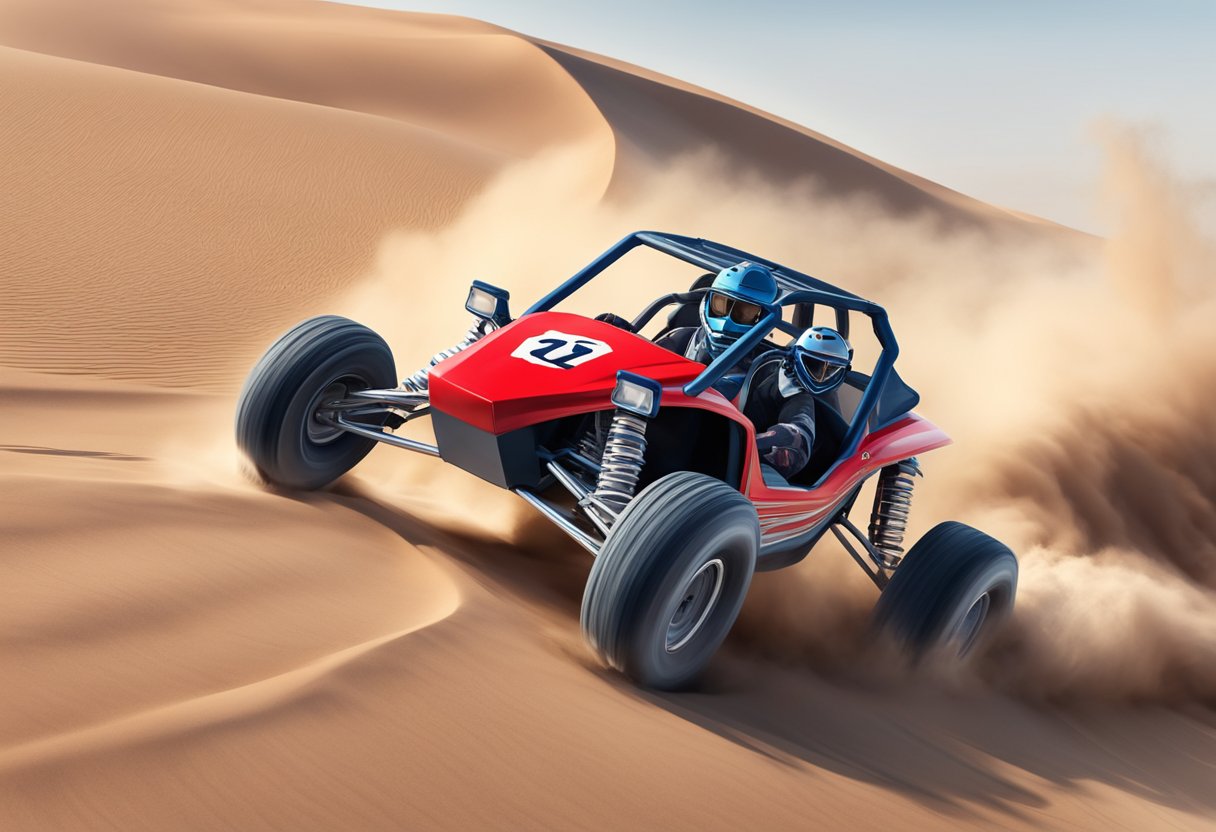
493 387
789 513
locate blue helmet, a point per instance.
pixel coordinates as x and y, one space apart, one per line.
739 297
820 359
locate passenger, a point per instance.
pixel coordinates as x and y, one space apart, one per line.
780 400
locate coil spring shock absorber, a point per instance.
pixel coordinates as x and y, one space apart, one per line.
892 504
419 382
591 443
620 467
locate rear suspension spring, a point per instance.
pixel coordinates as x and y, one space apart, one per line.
620 467
892 504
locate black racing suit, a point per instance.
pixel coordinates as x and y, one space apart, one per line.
688 341
784 414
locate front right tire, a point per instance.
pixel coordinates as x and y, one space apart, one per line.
952 590
278 424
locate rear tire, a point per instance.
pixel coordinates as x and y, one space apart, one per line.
276 417
669 582
951 592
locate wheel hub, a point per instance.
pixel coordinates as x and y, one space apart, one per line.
320 427
968 630
697 601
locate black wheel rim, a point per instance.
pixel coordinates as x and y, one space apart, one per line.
696 602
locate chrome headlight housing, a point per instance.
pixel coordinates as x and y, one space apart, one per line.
489 303
637 394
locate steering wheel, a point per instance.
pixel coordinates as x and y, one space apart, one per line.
616 320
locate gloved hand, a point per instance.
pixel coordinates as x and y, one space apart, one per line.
784 447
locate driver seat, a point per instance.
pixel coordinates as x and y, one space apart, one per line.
830 428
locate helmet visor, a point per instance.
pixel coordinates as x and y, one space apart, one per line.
739 311
819 370
719 305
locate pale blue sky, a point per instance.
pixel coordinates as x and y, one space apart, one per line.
995 99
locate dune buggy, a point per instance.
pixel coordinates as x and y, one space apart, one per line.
644 457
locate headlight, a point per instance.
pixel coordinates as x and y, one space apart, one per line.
489 303
637 394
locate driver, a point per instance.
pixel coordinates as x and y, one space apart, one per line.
782 397
739 297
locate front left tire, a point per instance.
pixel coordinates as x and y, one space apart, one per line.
668 583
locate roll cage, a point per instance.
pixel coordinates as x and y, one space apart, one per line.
885 397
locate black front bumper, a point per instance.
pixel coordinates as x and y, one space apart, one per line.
509 460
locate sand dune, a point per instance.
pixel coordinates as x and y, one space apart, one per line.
218 156
185 651
139 232
657 119
470 82
182 649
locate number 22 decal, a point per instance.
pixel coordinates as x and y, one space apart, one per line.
560 349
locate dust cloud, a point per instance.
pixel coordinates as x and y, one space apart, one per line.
1076 376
